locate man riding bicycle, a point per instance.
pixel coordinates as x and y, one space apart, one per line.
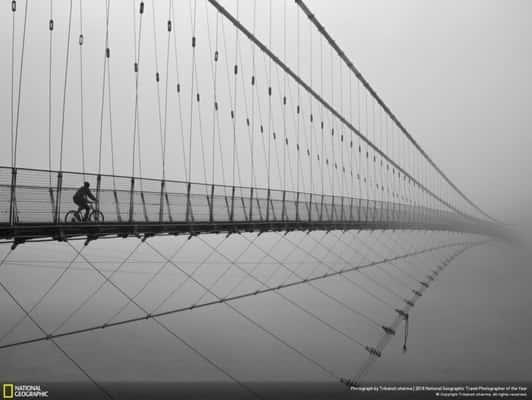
81 199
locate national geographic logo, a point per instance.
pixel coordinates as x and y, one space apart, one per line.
11 391
7 391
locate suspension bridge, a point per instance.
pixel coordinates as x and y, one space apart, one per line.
218 121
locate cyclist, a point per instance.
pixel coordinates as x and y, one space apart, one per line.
81 200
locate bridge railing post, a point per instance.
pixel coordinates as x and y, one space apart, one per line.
232 213
268 206
310 209
187 212
297 206
12 207
351 209
211 205
321 207
98 189
161 202
283 210
57 214
251 204
131 202
342 210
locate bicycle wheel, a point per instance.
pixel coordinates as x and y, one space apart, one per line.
96 216
71 217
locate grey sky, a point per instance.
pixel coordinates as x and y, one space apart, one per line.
457 73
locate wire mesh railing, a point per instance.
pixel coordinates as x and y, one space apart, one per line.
42 197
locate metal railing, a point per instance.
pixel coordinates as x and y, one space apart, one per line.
40 197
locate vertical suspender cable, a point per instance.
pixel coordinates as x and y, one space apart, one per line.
111 139
298 105
157 85
104 77
137 43
285 145
321 120
333 155
269 99
341 133
311 116
192 81
235 88
14 153
67 62
165 128
215 95
183 147
253 55
50 61
81 91
13 11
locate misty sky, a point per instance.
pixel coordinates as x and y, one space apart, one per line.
456 73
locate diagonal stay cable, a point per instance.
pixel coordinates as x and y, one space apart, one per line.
171 332
328 295
390 249
251 320
383 343
4 259
42 297
369 277
409 262
147 283
224 273
346 277
63 351
96 291
255 267
222 300
402 282
297 305
187 278
300 248
279 266
384 254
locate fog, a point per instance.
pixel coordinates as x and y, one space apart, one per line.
456 73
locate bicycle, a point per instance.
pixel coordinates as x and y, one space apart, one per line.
73 216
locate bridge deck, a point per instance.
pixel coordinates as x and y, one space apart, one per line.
33 205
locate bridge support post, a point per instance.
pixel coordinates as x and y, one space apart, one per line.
283 211
12 208
251 204
232 213
161 202
297 206
342 214
187 215
131 208
351 209
268 206
57 213
211 205
98 189
310 209
321 208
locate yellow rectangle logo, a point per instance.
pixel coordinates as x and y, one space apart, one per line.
7 391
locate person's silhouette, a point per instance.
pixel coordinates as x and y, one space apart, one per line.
81 199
